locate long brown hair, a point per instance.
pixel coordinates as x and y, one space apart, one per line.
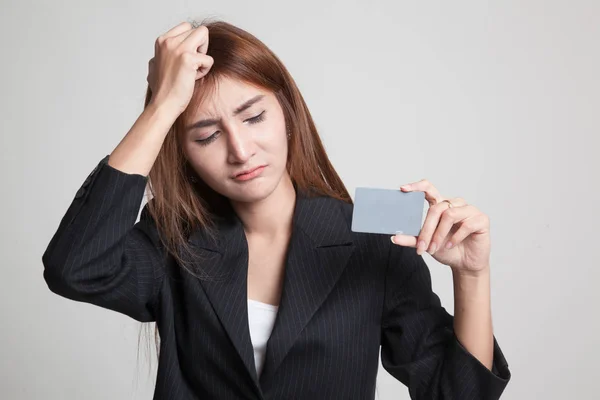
181 202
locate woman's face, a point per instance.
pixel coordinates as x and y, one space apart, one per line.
225 139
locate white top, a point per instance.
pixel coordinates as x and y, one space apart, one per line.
261 318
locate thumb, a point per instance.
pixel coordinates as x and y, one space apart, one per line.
203 65
404 240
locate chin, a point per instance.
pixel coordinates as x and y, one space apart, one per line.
251 191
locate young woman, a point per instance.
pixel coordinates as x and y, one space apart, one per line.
244 255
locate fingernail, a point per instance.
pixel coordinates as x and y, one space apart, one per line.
392 238
448 245
420 247
433 248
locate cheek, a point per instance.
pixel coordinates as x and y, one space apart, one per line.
275 141
209 172
205 162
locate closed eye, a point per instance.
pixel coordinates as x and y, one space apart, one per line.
259 118
254 120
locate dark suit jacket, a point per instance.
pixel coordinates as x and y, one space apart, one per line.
346 295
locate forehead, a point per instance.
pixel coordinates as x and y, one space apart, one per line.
226 94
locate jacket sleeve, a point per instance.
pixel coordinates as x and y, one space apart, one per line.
419 347
99 254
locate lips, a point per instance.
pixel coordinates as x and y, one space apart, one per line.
247 171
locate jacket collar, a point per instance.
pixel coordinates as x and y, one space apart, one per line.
319 249
319 217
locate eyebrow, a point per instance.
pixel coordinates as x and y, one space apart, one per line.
209 122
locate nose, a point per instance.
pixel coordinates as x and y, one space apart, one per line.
240 145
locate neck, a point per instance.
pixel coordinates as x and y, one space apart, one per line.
271 217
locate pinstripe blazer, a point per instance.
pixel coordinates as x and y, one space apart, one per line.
346 296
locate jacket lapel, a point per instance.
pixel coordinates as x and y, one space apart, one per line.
225 264
320 247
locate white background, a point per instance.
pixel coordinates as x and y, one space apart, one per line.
495 102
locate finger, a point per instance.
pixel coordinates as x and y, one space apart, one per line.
204 65
177 30
196 41
171 34
430 225
182 36
411 241
432 195
449 218
475 223
457 202
404 240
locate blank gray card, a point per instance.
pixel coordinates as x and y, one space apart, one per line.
387 211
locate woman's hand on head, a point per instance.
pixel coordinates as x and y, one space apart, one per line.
179 60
